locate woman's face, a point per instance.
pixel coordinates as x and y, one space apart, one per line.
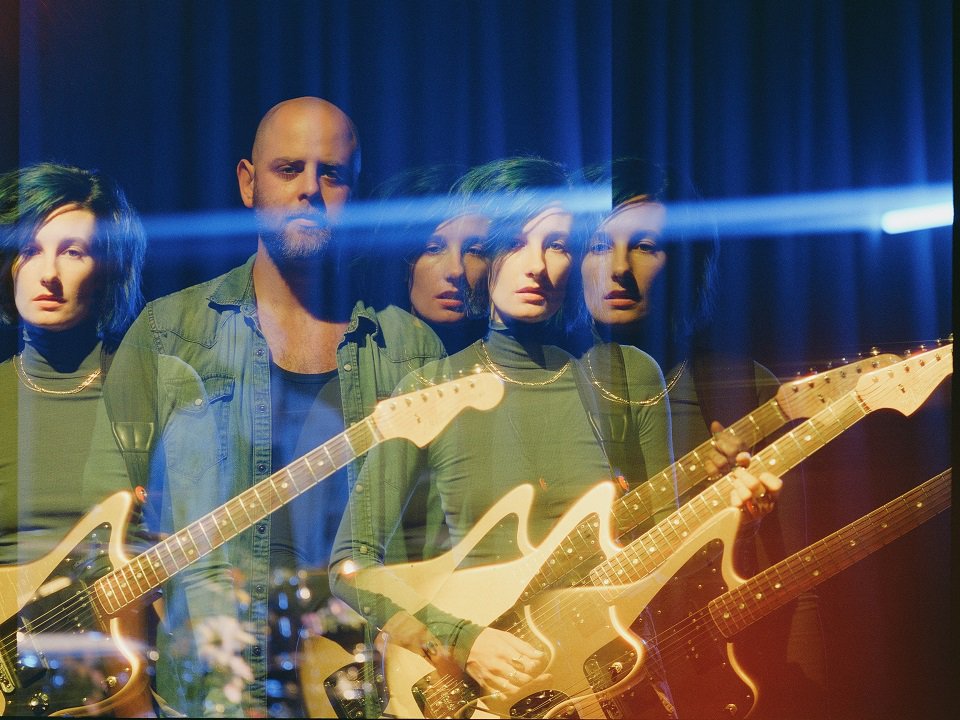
54 277
622 262
528 284
449 269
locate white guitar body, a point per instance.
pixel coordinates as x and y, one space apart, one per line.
115 661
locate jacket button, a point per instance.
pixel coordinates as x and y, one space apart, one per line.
347 367
261 528
261 468
257 651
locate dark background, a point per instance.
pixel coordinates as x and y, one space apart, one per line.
747 99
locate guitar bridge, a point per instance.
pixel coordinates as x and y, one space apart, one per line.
6 677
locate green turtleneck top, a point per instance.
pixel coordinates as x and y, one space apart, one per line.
44 444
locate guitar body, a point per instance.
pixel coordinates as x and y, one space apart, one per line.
706 679
59 655
595 659
412 682
595 655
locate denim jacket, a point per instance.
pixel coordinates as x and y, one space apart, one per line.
189 405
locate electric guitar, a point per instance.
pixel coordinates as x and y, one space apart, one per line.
706 679
45 608
572 625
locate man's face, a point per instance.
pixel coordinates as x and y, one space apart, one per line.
300 178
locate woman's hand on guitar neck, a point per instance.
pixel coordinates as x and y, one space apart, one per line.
754 494
726 447
503 663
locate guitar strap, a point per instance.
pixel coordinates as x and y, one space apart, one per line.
726 387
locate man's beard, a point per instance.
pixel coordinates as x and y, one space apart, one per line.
298 243
292 241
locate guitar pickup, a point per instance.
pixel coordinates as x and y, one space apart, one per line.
31 663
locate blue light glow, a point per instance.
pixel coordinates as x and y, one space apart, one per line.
917 218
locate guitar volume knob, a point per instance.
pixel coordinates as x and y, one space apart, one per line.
39 703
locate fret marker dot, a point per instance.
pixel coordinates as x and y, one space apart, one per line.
726 616
772 462
777 586
808 437
919 504
652 549
816 573
807 558
759 596
692 468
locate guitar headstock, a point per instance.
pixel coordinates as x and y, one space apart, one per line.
806 396
421 415
906 385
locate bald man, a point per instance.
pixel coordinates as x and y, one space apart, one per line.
222 384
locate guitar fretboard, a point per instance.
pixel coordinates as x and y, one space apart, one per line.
656 494
647 553
735 610
151 568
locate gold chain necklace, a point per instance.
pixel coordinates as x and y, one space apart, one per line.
31 385
488 362
648 401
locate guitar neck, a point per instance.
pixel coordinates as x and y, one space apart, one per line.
648 552
153 567
735 610
640 504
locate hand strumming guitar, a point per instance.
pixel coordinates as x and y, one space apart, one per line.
503 663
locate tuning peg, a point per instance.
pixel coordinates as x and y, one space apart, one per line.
874 351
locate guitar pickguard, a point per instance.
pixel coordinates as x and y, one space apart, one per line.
705 678
57 651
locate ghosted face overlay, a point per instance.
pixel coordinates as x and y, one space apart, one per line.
529 283
445 276
54 276
300 176
623 260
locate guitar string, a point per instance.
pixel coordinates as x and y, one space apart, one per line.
388 419
48 620
855 418
550 609
661 649
690 466
690 627
679 644
853 413
700 623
